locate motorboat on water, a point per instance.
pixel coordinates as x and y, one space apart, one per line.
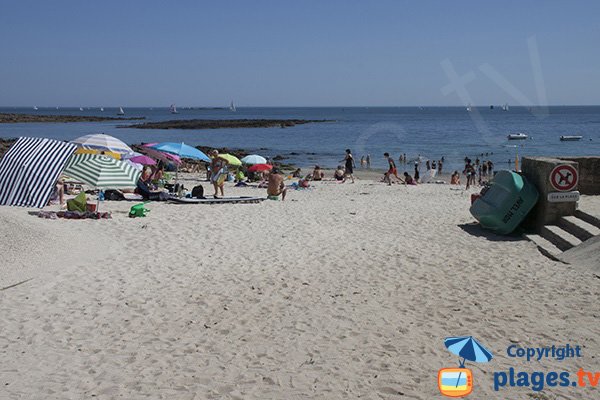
570 138
517 136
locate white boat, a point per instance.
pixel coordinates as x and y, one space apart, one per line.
121 112
517 136
232 106
505 107
35 108
173 109
469 108
101 108
570 138
80 108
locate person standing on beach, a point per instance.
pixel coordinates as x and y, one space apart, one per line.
348 166
392 170
362 162
417 176
368 161
218 172
440 164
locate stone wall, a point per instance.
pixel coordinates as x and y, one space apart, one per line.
589 173
537 171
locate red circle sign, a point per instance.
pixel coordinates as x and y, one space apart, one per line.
563 178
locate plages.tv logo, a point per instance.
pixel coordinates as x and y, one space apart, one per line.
458 382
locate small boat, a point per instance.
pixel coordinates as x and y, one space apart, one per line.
232 106
173 109
469 109
35 108
570 138
101 108
504 204
517 136
121 112
80 108
505 107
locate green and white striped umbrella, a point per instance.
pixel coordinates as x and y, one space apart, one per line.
101 172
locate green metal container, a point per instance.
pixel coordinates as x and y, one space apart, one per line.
505 203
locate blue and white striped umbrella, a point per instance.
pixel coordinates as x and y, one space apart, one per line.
102 172
468 348
101 141
30 169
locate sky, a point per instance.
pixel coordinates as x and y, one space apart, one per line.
298 53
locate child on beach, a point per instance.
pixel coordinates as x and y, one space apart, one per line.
392 170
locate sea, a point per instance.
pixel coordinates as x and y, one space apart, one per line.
420 133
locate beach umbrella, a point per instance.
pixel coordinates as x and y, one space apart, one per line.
101 141
469 349
231 159
107 153
260 168
102 172
29 171
253 159
159 155
182 150
142 159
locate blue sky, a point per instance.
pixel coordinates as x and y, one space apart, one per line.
293 53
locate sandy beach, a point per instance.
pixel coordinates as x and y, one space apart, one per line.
343 291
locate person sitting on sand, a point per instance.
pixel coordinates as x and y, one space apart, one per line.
218 172
455 178
339 173
318 174
146 174
58 194
276 186
408 180
297 173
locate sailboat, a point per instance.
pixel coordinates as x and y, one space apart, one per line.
80 108
469 107
101 108
35 108
173 109
232 106
121 112
505 107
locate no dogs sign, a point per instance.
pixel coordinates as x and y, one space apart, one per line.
563 178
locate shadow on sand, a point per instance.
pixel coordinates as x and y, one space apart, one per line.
474 229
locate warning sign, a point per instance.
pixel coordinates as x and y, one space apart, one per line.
563 178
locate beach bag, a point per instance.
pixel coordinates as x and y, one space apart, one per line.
113 195
198 192
79 203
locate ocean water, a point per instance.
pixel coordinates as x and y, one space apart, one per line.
431 132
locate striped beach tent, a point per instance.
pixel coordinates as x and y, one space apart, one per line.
102 141
102 172
30 169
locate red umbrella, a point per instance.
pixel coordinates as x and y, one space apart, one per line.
260 168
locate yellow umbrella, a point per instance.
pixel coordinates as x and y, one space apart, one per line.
116 156
231 160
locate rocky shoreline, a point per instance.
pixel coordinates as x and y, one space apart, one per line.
224 123
26 118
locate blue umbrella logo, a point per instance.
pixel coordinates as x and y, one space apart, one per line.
469 349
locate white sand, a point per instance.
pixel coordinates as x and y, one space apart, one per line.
341 292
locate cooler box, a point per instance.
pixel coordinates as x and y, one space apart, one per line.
505 203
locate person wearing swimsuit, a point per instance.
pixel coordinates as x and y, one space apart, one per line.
349 166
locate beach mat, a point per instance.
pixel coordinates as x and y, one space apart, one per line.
224 200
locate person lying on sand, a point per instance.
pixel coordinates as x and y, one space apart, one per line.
276 186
